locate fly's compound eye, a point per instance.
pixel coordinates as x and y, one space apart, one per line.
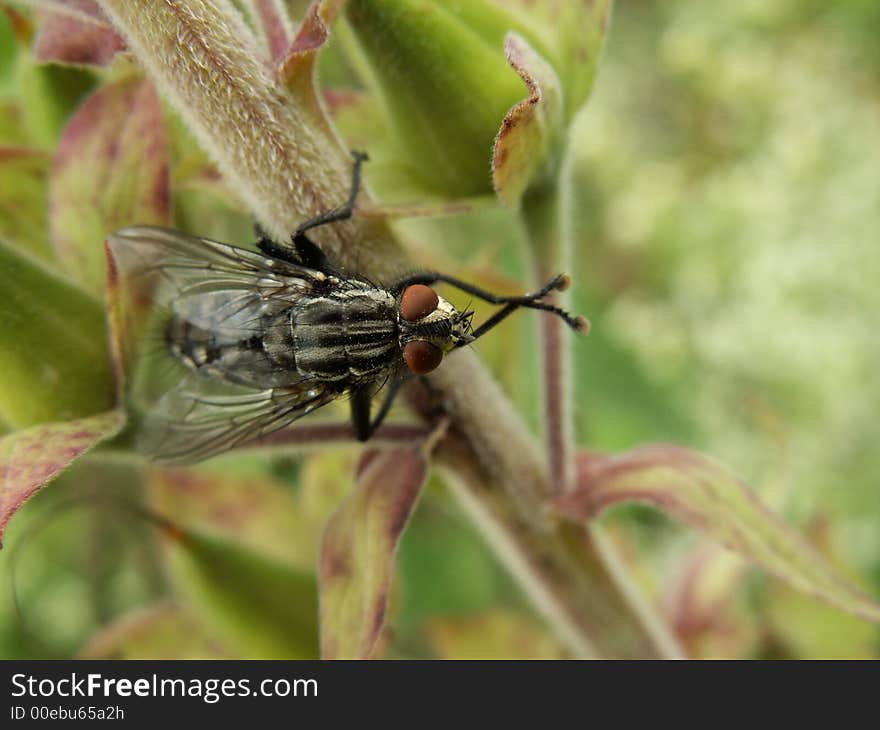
421 357
418 301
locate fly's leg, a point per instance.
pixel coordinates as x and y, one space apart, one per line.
360 413
511 304
274 249
303 252
343 212
361 400
310 255
495 319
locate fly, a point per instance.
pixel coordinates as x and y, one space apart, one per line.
258 340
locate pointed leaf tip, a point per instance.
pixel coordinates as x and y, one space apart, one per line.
298 63
702 493
532 128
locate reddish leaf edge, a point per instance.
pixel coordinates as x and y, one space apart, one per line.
596 492
26 467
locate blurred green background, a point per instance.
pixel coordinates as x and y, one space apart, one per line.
729 202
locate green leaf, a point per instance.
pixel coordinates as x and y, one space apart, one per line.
53 346
12 130
445 88
256 604
111 170
254 510
8 52
48 96
23 199
493 21
813 630
359 548
702 493
30 458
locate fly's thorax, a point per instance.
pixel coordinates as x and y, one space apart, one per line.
349 334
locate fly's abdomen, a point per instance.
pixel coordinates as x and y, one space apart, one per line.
351 334
262 357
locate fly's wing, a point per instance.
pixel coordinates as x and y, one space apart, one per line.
186 416
176 265
199 418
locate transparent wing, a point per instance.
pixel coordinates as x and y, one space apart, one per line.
199 418
180 265
224 295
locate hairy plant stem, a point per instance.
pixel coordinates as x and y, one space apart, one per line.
208 65
499 477
544 219
548 218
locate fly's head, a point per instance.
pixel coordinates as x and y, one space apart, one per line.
429 328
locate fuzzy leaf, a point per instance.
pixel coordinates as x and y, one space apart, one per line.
157 632
531 130
76 32
53 346
111 169
359 548
259 606
702 493
29 459
445 87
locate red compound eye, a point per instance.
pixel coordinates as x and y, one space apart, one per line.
421 357
418 301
